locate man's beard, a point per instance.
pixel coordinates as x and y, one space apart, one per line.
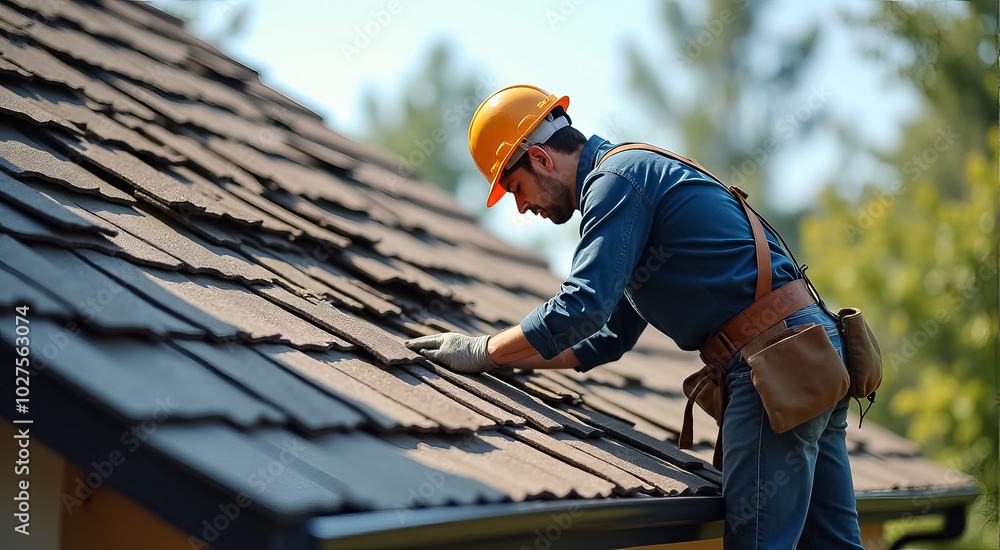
557 198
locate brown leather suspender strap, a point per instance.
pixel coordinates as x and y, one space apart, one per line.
761 249
664 152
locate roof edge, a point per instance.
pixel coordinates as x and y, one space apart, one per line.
596 523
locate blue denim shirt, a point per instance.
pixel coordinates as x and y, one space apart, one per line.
661 243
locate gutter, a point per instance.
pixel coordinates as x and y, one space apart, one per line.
539 525
878 506
599 523
954 526
952 504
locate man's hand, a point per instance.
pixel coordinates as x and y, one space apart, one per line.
458 352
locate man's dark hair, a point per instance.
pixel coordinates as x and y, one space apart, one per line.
566 140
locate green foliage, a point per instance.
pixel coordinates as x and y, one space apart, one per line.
924 269
947 52
920 255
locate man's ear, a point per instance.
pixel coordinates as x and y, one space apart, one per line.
540 158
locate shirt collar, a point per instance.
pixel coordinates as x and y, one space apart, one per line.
588 157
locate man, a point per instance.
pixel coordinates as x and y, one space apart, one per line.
664 244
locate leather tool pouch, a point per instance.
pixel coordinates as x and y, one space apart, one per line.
861 353
798 375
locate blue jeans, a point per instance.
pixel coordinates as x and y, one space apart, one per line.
780 488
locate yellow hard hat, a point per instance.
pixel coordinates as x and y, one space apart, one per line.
502 123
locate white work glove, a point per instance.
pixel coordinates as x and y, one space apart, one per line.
458 352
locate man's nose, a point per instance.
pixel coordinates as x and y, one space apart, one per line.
522 203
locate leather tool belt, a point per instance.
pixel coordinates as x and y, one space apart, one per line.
754 320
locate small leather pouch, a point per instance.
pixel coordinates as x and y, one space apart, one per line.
861 353
798 374
706 386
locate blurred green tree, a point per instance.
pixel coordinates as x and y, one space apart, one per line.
429 134
925 268
920 251
947 52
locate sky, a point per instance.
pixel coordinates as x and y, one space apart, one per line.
329 54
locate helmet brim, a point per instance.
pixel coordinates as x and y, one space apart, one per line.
496 193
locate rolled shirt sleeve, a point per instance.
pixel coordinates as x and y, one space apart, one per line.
617 217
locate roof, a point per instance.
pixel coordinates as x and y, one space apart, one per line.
219 287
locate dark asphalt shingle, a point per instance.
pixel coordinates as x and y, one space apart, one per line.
72 107
626 433
369 336
387 414
40 205
47 67
482 406
31 229
667 479
625 483
451 415
100 301
268 474
309 407
22 156
19 291
18 106
140 379
343 284
376 475
150 284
